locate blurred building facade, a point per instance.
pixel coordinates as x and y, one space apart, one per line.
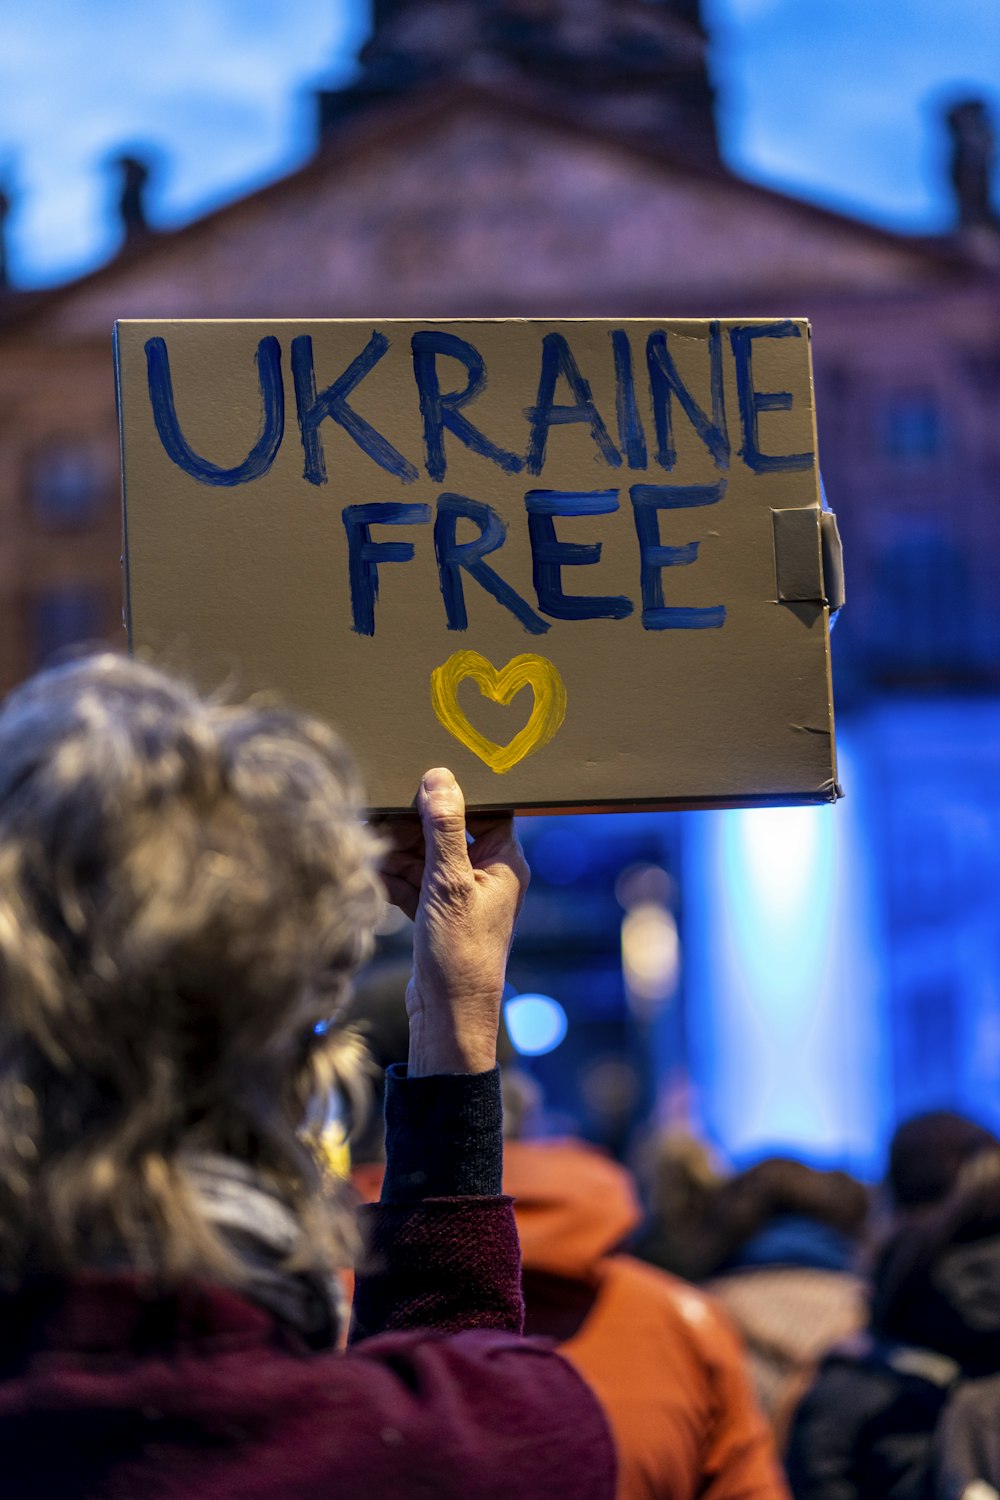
559 157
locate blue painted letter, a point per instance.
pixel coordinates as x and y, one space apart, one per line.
549 555
557 359
442 411
364 555
665 382
453 556
272 427
332 402
630 433
647 501
752 401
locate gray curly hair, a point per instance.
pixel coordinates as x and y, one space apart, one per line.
185 890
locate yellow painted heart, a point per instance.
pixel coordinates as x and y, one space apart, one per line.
536 672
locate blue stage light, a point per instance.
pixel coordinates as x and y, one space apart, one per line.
536 1023
784 979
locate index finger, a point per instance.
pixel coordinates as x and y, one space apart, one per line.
491 832
400 831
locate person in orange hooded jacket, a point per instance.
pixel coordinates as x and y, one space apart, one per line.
661 1356
664 1361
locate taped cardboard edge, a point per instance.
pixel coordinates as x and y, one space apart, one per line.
126 553
798 563
808 557
833 561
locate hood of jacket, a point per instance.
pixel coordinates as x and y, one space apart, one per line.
574 1205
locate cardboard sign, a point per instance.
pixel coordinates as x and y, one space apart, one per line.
578 562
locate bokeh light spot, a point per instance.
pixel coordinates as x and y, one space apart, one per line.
537 1024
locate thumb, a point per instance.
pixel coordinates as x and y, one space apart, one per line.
442 812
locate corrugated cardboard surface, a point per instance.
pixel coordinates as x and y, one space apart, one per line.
247 586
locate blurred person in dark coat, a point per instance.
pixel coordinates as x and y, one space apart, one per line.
185 889
908 1409
784 1239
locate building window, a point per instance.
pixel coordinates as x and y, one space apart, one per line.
63 617
912 427
69 485
922 622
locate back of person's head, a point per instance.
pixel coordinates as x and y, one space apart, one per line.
679 1174
783 1188
926 1154
683 1172
185 888
523 1103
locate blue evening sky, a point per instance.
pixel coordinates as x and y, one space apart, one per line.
835 100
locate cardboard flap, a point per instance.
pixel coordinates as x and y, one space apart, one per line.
833 561
798 562
808 557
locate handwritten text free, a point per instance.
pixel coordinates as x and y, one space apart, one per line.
444 412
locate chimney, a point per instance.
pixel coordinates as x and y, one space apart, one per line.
973 156
134 175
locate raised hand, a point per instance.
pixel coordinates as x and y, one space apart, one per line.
464 898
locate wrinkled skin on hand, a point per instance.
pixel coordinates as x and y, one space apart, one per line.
464 898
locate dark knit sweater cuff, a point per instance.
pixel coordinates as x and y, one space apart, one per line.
443 1136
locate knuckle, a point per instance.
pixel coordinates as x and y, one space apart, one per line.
448 822
452 884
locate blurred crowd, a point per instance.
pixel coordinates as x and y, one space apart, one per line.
782 1327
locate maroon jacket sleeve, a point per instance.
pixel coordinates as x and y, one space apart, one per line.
441 1249
445 1264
